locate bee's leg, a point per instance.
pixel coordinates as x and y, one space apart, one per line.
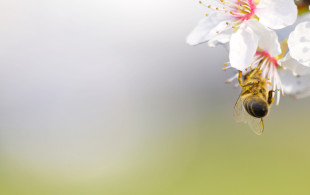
270 97
239 78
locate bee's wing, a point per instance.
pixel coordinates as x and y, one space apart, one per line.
256 124
241 115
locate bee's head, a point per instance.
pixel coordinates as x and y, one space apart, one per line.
256 107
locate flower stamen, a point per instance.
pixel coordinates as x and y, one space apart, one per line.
268 67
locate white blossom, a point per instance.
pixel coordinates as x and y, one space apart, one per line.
296 63
227 16
299 43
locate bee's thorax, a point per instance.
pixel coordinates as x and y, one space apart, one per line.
255 95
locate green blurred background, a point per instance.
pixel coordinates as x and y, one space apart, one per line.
211 155
101 97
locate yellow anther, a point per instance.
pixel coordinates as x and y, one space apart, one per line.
225 63
223 69
283 95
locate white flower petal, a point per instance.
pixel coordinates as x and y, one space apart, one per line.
222 38
276 14
285 32
293 65
296 86
243 46
299 43
207 28
267 39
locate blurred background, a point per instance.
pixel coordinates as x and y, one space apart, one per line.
105 97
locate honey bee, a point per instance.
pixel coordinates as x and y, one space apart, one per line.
254 101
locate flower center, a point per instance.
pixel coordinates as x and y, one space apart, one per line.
246 9
267 56
236 10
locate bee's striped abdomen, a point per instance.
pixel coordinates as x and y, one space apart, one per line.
255 106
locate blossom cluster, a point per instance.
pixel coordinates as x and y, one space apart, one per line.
272 36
